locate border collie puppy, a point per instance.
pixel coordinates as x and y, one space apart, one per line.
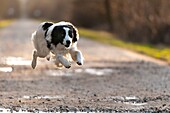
60 39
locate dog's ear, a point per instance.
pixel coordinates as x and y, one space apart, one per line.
47 25
75 34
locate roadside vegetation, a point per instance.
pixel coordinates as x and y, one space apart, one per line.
4 23
158 52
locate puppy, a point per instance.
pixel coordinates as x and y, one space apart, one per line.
60 39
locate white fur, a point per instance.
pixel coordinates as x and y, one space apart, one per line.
60 52
67 38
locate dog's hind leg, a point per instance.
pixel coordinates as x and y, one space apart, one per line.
34 60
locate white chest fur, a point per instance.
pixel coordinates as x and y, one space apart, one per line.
59 49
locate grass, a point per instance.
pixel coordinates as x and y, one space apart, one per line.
162 53
4 23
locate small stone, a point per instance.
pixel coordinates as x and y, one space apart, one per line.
10 97
48 99
58 99
164 105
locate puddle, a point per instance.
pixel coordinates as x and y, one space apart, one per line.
6 110
135 104
15 61
129 100
99 72
78 70
58 73
43 97
91 71
6 69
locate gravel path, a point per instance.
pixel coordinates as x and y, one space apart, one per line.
112 79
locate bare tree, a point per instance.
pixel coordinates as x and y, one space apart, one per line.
107 4
9 9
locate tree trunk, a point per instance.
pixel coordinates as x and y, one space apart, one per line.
108 9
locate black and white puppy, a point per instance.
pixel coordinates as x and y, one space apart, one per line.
60 39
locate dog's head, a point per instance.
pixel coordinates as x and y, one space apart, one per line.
64 33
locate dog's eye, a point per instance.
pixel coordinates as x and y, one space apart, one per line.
70 33
62 34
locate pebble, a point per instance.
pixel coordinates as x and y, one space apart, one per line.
48 99
95 95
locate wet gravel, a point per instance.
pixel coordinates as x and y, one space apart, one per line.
130 87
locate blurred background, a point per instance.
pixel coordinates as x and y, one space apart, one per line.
144 21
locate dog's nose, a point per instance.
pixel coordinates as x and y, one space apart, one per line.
68 42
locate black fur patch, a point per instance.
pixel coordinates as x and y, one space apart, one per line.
46 33
48 45
58 35
74 33
47 25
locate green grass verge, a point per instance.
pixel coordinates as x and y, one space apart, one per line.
4 23
108 38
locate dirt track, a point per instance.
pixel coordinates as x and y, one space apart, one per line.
111 78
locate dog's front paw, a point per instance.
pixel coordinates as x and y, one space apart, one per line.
80 62
68 66
80 58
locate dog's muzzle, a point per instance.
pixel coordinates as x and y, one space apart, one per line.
67 43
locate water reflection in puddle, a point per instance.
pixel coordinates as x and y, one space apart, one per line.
95 71
98 72
129 100
91 71
58 73
6 110
43 97
15 61
6 69
135 104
